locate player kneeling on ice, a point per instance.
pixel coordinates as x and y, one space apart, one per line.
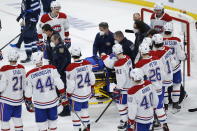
42 82
179 55
122 66
142 101
80 80
12 83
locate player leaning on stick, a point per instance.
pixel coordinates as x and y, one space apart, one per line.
12 84
42 82
80 80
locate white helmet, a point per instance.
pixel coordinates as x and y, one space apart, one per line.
137 74
75 51
168 27
13 55
117 49
159 6
37 57
157 38
55 4
144 48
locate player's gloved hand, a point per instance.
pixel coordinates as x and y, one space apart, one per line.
63 100
40 45
131 125
116 94
68 95
92 91
1 56
29 105
67 42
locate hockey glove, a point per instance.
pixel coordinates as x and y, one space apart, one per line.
63 100
40 45
67 42
29 105
116 94
1 56
131 125
92 91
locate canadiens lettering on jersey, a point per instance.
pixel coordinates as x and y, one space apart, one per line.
57 28
37 74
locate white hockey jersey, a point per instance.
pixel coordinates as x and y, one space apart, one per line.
158 23
122 68
60 24
109 61
153 70
142 100
12 83
165 55
41 85
80 78
177 51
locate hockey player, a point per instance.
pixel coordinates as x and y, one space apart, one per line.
58 21
122 68
80 79
142 101
179 55
12 84
30 11
159 18
42 82
153 70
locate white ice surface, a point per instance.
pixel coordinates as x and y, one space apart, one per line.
119 17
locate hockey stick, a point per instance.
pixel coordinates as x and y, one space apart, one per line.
103 112
80 119
185 43
11 41
129 31
192 110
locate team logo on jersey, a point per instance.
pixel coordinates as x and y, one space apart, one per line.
57 28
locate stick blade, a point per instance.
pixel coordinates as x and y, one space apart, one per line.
192 110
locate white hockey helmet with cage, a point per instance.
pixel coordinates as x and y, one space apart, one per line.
13 55
117 49
37 57
158 6
137 74
55 4
144 48
168 27
75 51
157 39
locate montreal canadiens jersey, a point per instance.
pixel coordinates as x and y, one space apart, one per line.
59 24
41 85
158 23
80 78
165 55
122 68
142 100
12 84
153 70
109 60
177 51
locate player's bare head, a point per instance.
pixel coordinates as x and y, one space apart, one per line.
75 52
168 28
157 40
118 51
37 58
104 28
136 16
119 36
55 7
56 39
159 9
137 75
47 29
13 56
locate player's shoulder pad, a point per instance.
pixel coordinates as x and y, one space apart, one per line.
62 15
121 62
45 18
9 67
72 66
166 17
136 88
173 38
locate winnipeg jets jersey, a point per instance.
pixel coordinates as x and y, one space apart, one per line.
59 24
122 68
153 70
158 23
177 51
80 78
142 100
165 55
12 83
41 85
